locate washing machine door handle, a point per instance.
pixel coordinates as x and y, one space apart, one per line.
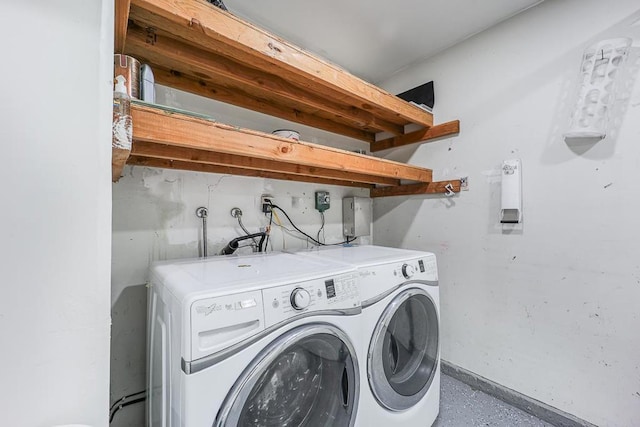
393 353
345 387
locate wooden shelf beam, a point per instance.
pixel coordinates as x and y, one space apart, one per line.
159 126
420 188
160 47
430 134
121 15
119 158
169 152
171 139
208 168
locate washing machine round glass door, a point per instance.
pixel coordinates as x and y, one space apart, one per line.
403 352
306 377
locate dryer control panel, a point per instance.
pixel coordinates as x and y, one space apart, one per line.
417 269
378 279
339 292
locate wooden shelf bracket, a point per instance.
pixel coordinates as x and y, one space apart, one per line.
422 135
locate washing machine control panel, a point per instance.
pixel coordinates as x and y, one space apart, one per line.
328 294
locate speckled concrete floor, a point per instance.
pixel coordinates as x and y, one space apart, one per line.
462 406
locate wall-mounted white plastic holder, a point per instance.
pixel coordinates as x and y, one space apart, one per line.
511 206
147 84
601 64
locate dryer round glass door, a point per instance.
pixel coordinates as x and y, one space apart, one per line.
306 377
403 353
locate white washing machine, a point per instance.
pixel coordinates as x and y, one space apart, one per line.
260 340
400 315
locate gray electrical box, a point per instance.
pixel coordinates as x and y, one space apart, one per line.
356 216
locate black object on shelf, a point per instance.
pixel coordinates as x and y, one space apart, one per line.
421 95
218 3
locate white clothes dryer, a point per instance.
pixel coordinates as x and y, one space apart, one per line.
261 340
401 313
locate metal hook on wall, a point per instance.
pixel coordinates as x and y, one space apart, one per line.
449 188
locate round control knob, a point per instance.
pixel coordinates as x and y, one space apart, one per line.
408 271
300 298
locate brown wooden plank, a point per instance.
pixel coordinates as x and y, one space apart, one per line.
422 135
145 19
253 101
121 15
204 25
160 47
161 151
203 167
119 157
421 188
163 127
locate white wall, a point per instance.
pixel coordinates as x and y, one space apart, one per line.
549 309
154 219
56 210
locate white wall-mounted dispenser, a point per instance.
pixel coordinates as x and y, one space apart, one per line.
147 84
511 206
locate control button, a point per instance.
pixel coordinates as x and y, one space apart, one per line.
408 271
300 298
319 293
275 303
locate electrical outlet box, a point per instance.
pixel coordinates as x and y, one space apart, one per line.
356 216
265 202
323 201
464 183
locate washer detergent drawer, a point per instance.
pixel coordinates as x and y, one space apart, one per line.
217 323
